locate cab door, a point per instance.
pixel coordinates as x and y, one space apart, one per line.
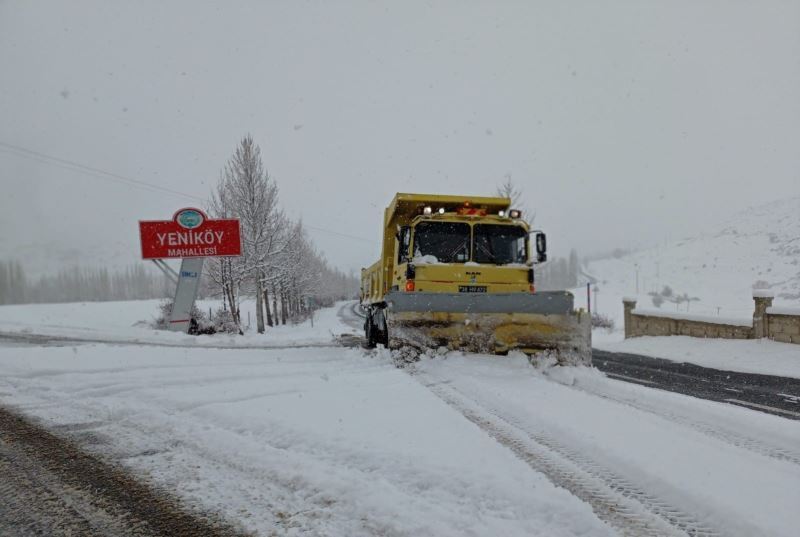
403 249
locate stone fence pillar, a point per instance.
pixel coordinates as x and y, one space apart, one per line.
629 304
763 300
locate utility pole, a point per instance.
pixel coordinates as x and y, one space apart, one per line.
637 277
588 297
596 307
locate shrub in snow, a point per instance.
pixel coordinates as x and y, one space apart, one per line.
200 323
164 309
222 320
657 299
761 284
602 321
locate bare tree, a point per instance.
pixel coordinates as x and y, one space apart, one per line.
508 189
247 192
279 265
226 272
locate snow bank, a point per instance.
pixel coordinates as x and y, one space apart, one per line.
761 356
735 321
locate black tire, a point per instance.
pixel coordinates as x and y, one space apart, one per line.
380 329
383 337
369 331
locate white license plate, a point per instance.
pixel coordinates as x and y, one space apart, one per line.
471 288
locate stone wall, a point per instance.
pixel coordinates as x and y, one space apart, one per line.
783 327
780 324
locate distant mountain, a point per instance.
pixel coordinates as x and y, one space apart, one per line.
758 248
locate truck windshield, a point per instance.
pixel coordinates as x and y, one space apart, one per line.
500 244
441 242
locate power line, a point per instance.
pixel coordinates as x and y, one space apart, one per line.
129 181
76 166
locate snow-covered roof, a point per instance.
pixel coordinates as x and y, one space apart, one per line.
763 293
734 321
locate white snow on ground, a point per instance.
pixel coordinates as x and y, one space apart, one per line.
659 440
320 441
130 321
761 356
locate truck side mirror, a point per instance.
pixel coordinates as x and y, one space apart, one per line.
541 247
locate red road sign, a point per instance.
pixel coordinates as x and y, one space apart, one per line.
190 234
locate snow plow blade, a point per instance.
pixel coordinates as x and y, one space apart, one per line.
491 323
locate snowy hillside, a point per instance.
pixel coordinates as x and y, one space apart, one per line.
716 269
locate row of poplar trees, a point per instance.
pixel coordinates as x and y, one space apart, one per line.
279 266
78 284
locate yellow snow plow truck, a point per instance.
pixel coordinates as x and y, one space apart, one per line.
458 272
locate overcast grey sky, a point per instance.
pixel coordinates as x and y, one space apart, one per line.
626 123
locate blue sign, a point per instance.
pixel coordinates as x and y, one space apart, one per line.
189 218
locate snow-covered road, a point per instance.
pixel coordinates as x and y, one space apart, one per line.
705 467
327 441
334 441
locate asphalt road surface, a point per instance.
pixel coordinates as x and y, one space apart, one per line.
775 395
50 487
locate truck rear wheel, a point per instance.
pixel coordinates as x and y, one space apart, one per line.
380 328
375 330
369 341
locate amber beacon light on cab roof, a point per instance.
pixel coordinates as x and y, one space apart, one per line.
459 272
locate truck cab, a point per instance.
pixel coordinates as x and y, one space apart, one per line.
452 253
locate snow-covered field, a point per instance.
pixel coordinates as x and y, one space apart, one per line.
324 440
131 321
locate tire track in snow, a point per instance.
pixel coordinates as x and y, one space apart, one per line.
733 438
614 499
44 340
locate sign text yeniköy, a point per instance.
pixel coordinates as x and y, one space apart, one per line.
190 234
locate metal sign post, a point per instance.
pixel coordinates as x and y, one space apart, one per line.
190 236
185 294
